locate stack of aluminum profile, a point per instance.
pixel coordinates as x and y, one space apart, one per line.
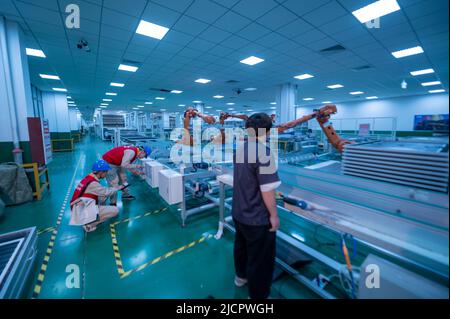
419 165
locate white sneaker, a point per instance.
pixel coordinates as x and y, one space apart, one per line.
239 282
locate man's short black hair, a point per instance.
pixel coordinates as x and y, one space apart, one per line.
259 121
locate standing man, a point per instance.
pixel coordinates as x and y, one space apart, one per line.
254 209
121 158
90 187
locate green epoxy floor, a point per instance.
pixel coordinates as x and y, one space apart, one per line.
201 271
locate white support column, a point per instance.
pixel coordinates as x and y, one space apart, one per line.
286 100
15 89
56 110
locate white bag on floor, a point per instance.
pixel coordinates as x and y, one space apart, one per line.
84 211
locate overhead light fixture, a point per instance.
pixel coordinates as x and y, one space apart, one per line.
308 99
335 86
197 102
208 107
407 52
218 96
250 89
249 110
356 92
436 91
202 81
218 110
104 104
59 90
149 103
327 102
151 30
230 103
274 103
176 91
110 93
252 60
35 52
303 76
182 105
107 100
421 72
69 97
140 106
375 10
49 77
431 83
273 108
135 108
404 85
163 110
230 109
120 85
372 97
160 98
129 68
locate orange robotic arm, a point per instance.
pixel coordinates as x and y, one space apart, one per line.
322 116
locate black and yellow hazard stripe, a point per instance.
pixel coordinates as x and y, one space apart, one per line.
46 230
165 256
51 243
116 250
155 212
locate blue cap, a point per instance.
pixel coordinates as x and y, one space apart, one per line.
147 149
101 166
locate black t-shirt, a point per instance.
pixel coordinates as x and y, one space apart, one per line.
252 169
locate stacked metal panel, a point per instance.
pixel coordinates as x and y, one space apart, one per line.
421 165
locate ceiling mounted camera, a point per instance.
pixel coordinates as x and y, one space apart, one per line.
83 44
238 91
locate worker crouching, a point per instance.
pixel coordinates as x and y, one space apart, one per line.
89 194
120 159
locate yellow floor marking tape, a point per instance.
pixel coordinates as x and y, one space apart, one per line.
46 230
165 256
51 243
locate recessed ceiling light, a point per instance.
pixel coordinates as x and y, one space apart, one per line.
135 108
372 97
120 85
162 110
176 91
252 60
335 86
218 96
202 81
59 90
230 103
208 107
69 97
151 30
273 108
376 10
407 52
104 104
356 92
149 103
218 110
196 101
35 52
107 100
181 105
421 72
160 98
436 91
110 93
308 99
140 106
230 109
129 68
250 89
431 83
327 102
304 76
49 77
249 110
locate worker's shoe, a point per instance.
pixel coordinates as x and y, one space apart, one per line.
128 197
239 282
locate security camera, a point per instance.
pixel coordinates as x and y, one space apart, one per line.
404 85
238 91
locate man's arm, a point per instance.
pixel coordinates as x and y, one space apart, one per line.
97 189
271 204
128 155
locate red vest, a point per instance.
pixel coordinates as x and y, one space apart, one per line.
81 188
114 156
